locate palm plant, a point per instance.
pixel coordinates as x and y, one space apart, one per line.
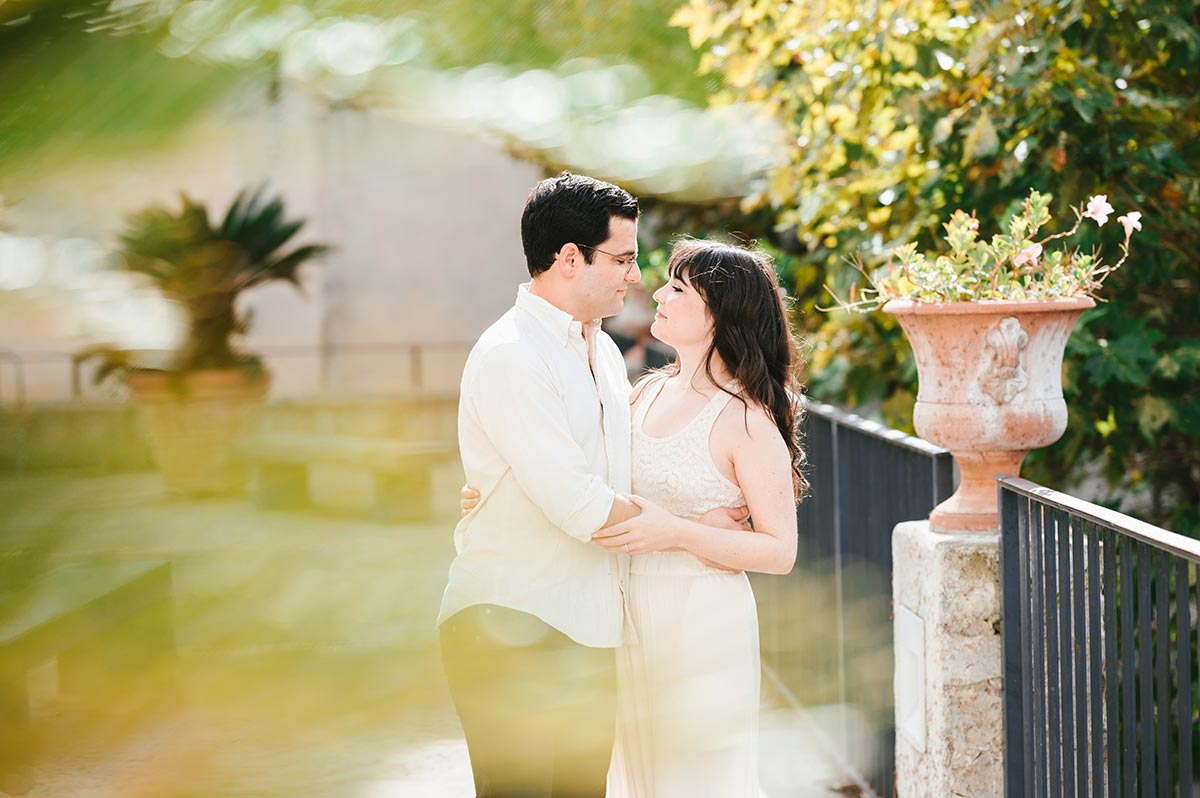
205 268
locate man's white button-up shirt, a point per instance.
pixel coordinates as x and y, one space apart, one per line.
543 430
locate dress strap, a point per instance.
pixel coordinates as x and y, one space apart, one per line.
708 416
649 392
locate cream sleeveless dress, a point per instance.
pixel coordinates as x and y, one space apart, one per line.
688 691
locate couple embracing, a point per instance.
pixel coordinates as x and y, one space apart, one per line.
598 631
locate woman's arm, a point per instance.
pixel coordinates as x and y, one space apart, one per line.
762 466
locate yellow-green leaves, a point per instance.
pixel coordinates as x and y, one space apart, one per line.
982 140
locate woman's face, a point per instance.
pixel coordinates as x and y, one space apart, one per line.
682 318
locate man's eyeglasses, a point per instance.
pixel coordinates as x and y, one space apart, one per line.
628 261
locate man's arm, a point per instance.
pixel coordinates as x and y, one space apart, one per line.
519 409
622 510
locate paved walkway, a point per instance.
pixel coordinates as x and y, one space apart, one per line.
308 663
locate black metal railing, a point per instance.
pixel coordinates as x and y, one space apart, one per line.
827 627
1099 637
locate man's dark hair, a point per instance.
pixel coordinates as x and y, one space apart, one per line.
570 209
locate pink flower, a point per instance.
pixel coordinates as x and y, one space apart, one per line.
1130 221
1098 209
1028 255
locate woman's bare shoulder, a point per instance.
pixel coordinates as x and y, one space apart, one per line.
744 422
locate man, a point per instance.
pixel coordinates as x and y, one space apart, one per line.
533 611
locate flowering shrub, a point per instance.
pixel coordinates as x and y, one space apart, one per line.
1014 265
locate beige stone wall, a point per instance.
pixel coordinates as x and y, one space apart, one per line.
425 223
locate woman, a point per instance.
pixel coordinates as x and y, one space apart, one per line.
715 429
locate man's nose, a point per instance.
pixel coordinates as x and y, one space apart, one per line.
634 273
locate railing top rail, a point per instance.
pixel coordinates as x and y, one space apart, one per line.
1159 538
845 418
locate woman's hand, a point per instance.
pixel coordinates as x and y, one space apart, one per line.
469 499
728 518
654 529
732 518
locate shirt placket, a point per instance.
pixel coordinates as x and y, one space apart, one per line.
589 355
623 561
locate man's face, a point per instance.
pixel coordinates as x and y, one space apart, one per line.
603 282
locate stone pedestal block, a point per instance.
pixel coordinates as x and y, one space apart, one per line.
946 590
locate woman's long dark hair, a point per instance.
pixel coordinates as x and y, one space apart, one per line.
751 333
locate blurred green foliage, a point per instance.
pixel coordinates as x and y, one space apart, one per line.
540 34
92 78
901 111
82 82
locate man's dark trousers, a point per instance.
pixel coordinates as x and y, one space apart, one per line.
537 708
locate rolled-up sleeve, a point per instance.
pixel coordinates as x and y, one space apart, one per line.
525 417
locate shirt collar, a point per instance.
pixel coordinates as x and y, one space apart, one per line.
554 318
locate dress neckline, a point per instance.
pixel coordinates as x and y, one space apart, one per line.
644 410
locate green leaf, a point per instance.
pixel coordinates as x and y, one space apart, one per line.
1153 414
1083 106
982 141
1130 359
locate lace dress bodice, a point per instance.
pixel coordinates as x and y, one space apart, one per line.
677 472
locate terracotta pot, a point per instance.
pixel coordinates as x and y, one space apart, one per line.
990 377
193 423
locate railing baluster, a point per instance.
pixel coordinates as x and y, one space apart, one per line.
1096 635
1079 640
1062 537
1183 696
1128 672
1037 550
1194 673
1112 682
1032 628
1053 657
843 469
1014 631
1145 665
1162 670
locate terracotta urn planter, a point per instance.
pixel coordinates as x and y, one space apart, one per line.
990 389
193 421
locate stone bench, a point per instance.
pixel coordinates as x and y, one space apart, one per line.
103 621
400 470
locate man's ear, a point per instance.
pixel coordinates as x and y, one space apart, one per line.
568 260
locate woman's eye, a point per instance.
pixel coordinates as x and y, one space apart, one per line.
677 289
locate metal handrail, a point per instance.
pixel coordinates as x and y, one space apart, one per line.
415 350
873 428
1156 536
